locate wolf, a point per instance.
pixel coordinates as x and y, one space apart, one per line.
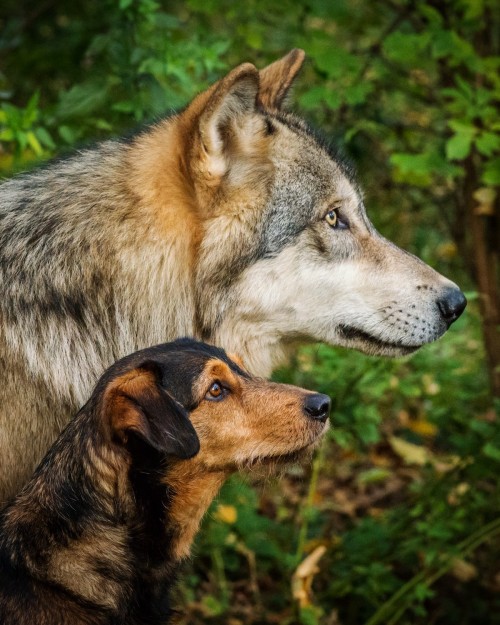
230 222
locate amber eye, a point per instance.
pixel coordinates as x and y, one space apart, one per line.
334 221
332 218
216 391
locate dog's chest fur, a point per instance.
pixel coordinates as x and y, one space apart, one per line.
102 552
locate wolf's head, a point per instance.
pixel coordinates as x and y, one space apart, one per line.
285 251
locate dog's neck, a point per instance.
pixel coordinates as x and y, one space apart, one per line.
115 534
193 489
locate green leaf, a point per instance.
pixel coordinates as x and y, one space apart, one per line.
373 476
213 606
473 8
45 138
67 134
451 46
419 169
462 127
334 99
423 592
81 100
123 107
433 16
310 615
487 143
336 63
491 173
406 48
357 93
314 97
459 146
6 134
491 451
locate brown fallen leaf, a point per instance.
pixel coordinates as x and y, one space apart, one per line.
462 570
303 577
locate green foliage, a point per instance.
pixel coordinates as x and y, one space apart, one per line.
384 562
21 131
404 494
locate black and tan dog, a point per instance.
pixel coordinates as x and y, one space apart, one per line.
97 534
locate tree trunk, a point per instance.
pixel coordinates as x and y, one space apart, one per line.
483 224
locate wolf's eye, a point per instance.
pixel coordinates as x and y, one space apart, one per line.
332 218
216 391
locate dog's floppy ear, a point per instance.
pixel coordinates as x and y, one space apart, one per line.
232 98
135 403
277 78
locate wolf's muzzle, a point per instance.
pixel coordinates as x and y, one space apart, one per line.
451 304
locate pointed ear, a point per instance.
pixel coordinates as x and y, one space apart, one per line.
277 78
136 404
232 98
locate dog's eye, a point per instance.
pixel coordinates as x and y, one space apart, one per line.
216 391
333 220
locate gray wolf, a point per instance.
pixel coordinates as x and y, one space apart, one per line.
97 534
230 221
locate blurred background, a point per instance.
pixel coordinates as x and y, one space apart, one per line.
397 519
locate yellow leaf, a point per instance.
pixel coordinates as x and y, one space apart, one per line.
410 453
447 250
303 577
430 385
34 143
455 495
6 161
422 427
226 514
485 196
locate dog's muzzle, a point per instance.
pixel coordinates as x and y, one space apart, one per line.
317 407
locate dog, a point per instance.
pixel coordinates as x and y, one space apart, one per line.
230 221
98 533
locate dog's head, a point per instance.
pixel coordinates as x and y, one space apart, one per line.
285 249
187 398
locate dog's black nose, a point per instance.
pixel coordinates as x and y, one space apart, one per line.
451 304
317 406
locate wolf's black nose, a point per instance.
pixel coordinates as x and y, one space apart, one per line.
317 406
452 304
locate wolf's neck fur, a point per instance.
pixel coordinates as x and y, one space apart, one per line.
260 348
100 522
135 286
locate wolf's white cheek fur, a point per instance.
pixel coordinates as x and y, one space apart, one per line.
297 295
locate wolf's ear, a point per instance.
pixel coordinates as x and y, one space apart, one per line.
136 404
231 100
277 78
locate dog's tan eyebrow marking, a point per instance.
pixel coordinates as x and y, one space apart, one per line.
213 369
